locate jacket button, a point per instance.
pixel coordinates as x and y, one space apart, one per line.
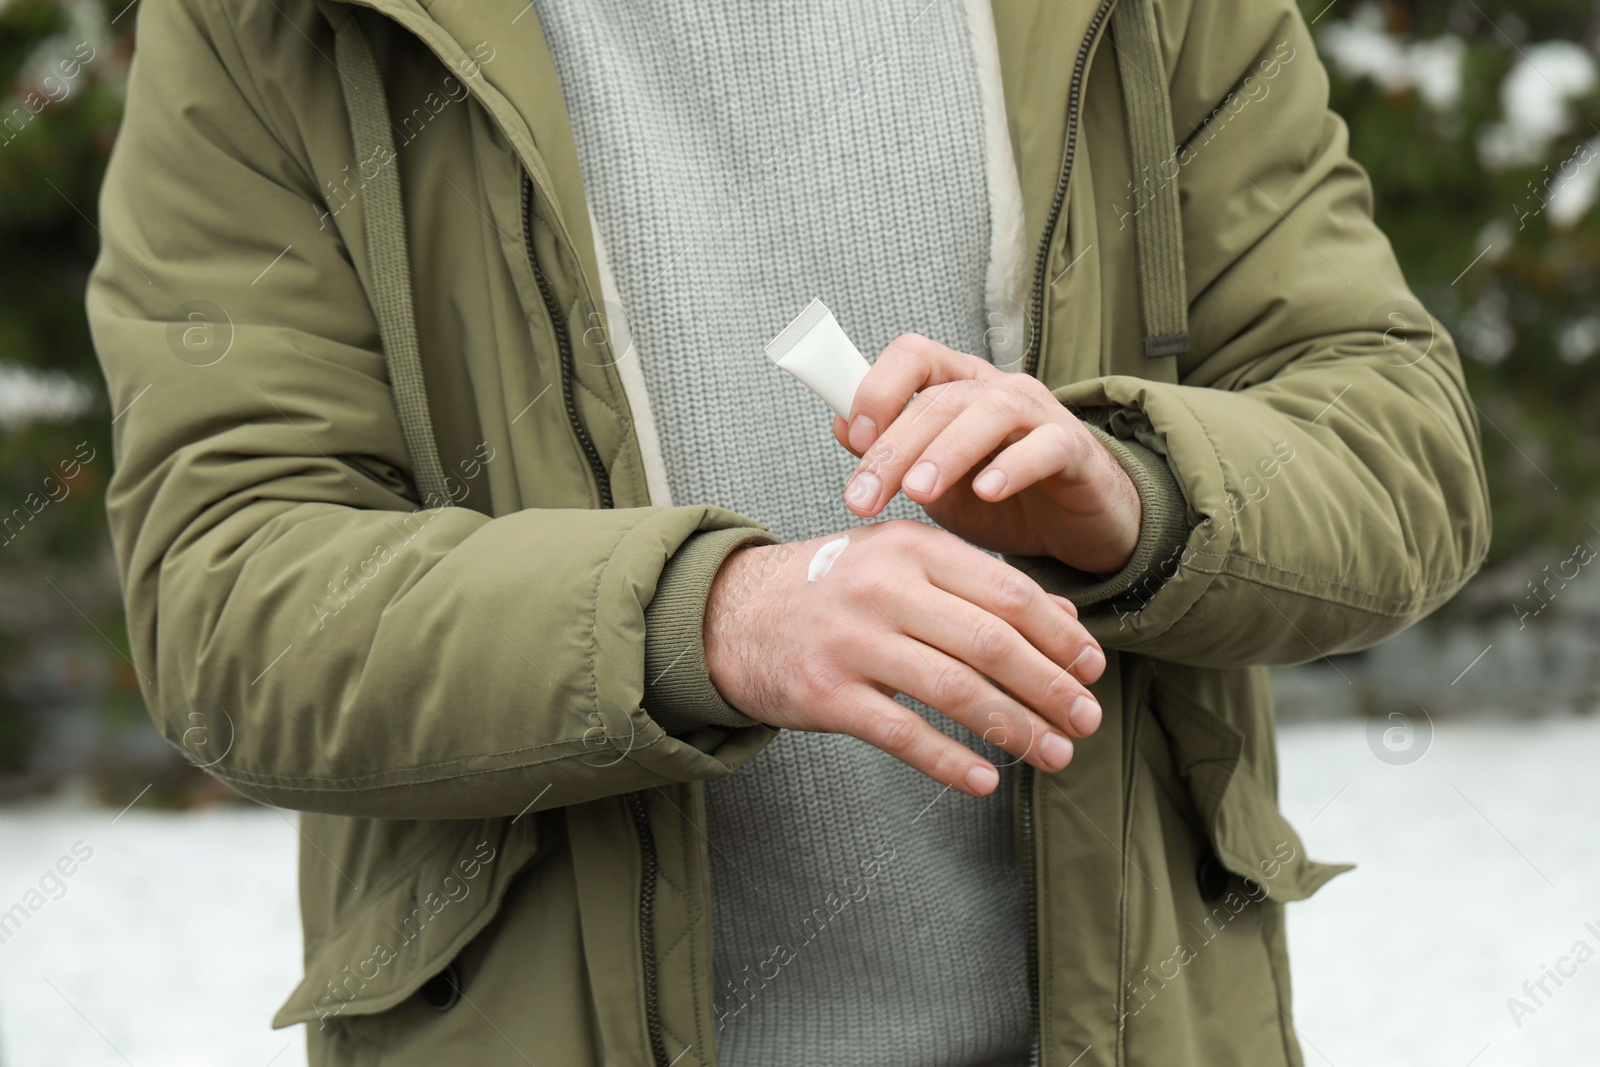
1212 878
443 990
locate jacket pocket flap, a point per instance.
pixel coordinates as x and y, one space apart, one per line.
1236 800
408 927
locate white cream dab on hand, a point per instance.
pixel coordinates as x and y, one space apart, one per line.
822 562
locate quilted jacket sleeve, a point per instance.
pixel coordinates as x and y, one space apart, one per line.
300 626
1320 431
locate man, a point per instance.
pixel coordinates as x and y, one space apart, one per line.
506 589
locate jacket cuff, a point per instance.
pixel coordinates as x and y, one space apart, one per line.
678 692
1163 533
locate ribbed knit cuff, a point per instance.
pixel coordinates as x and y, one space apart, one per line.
1163 532
678 692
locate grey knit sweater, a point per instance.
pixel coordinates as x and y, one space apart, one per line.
740 160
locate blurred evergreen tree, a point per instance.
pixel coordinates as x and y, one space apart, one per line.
63 64
1477 176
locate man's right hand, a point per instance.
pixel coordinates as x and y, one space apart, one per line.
905 608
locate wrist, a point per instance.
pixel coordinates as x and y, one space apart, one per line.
1104 540
732 607
1163 529
678 692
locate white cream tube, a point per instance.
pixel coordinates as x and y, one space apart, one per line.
815 350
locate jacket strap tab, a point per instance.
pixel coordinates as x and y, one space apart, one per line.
388 256
1158 227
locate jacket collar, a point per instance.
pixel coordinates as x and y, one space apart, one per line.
1038 42
519 90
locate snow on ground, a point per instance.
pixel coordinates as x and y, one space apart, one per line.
172 945
175 940
1479 865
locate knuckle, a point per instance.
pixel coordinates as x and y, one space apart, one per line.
902 534
1065 449
1021 729
996 724
1064 439
959 395
905 348
1060 451
820 683
1010 729
947 767
1078 451
1034 389
1013 591
990 640
1061 688
881 454
1008 401
936 398
949 685
895 733
872 586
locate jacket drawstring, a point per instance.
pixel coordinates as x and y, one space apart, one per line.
1158 226
389 256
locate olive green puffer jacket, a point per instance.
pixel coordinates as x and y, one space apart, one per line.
308 336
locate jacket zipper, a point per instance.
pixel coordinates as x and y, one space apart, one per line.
647 934
1025 819
558 322
649 864
1031 366
636 802
1041 264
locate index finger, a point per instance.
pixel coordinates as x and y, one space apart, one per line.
909 365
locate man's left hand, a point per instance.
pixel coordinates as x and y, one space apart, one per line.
991 456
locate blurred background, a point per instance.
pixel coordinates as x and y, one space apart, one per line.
1455 763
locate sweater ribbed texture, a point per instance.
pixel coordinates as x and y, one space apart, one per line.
740 160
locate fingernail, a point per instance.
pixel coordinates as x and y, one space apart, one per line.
862 490
921 478
863 431
1084 717
1091 664
1056 750
991 482
982 779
